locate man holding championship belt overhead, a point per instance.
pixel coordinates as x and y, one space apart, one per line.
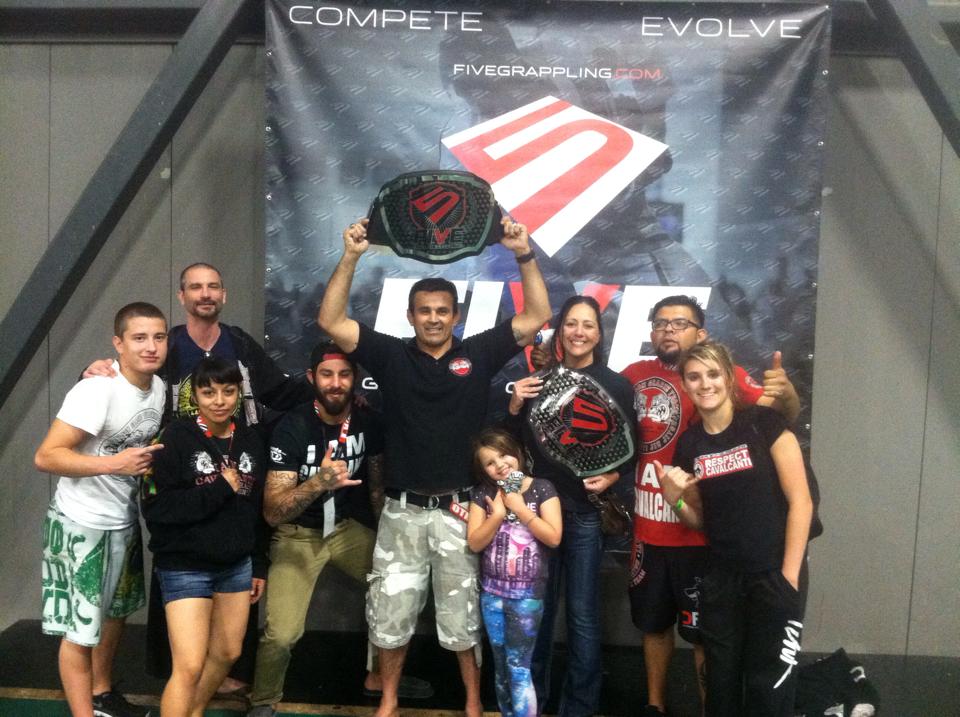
435 390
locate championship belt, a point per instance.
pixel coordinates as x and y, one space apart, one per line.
578 424
436 216
511 484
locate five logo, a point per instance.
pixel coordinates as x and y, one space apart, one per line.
589 422
554 165
437 208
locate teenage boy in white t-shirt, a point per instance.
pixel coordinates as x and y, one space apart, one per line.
92 556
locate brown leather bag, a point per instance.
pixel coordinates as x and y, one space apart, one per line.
615 519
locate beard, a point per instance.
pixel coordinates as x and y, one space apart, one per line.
669 357
206 311
335 404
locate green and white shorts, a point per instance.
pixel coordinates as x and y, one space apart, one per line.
88 575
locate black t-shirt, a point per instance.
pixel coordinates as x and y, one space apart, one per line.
188 356
267 390
298 444
433 407
744 508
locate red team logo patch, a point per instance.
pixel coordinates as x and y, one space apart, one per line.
460 367
657 403
459 511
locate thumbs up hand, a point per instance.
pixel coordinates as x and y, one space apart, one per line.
778 390
775 378
673 481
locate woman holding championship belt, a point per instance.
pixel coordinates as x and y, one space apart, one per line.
577 344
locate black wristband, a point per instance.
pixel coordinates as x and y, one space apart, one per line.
529 256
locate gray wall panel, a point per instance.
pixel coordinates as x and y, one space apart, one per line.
94 90
935 620
873 338
217 186
24 156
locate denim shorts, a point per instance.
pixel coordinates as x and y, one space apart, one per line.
181 584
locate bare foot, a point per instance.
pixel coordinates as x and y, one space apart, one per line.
230 685
373 682
473 709
387 711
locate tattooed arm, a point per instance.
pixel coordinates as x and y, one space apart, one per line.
375 483
284 500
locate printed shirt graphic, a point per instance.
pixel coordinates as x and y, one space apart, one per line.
744 508
723 463
206 470
117 415
188 356
664 412
298 444
514 565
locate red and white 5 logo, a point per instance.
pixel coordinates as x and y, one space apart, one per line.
554 165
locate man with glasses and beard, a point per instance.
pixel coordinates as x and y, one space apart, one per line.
668 557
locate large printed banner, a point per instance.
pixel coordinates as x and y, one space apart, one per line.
651 149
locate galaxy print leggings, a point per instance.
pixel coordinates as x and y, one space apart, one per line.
512 625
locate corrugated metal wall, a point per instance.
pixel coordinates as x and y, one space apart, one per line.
885 576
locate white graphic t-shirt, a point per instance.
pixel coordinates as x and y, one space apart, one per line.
117 415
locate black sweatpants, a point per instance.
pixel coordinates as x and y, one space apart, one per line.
751 625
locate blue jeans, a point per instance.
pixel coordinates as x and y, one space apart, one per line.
578 561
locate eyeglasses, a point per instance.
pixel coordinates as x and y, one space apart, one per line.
675 324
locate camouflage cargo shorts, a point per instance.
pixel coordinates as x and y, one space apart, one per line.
414 543
88 575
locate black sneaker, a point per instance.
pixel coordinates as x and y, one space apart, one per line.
113 704
652 711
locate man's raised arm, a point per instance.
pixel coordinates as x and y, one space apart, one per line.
536 302
333 309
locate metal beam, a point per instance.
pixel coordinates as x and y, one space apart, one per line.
107 20
115 183
929 57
